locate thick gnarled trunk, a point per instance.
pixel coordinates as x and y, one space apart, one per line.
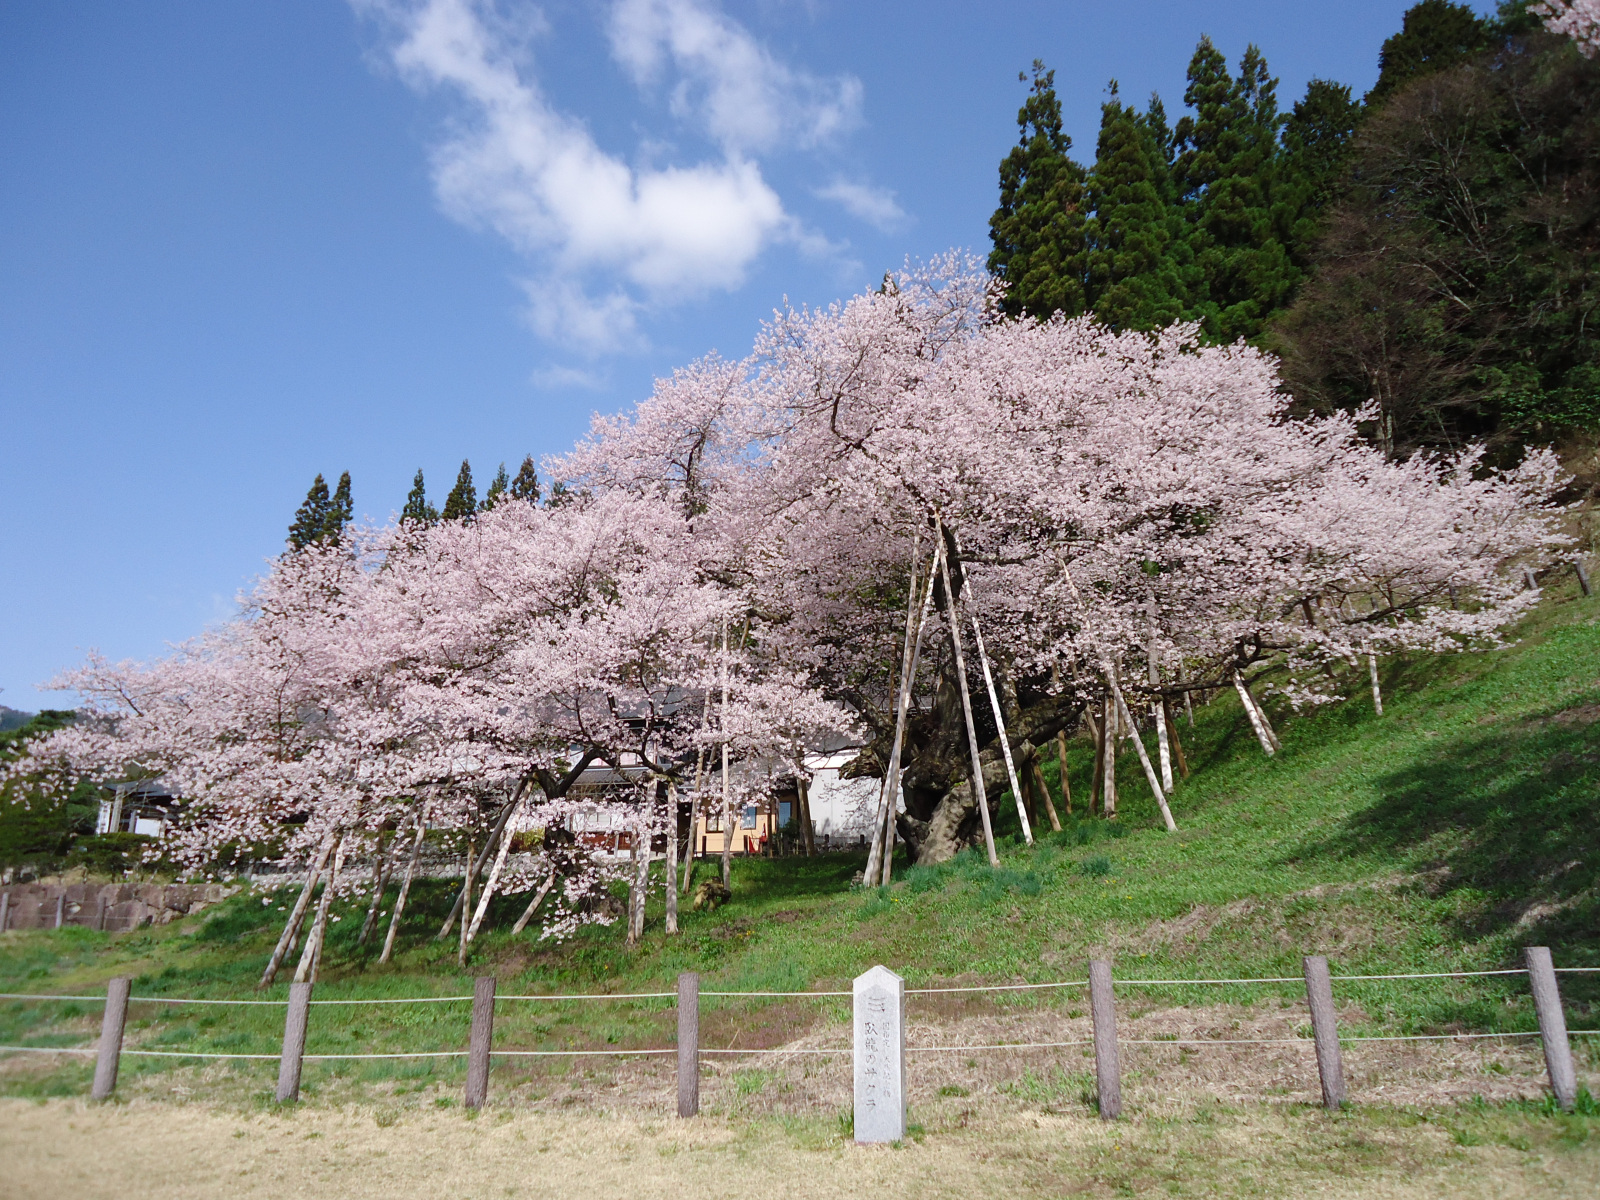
942 817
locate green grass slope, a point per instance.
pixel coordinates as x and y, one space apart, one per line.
1444 835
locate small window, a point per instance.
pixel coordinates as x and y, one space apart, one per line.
784 809
749 821
714 821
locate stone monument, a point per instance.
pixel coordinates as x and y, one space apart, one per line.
880 1056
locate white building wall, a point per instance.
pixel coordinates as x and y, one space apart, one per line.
840 808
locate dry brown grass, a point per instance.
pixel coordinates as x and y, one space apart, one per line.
1212 1121
181 1151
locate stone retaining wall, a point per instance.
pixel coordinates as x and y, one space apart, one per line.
109 906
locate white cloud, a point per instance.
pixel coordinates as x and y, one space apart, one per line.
874 205
558 378
561 311
633 235
746 99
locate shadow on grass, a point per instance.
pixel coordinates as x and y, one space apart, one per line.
1508 817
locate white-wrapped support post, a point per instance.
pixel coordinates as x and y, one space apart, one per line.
880 1056
1144 758
1248 703
1000 726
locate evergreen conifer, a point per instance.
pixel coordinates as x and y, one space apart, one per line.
462 501
526 485
311 519
417 510
1133 283
1316 146
1227 164
1434 35
498 486
1038 230
340 511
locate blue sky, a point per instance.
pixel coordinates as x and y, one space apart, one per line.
244 243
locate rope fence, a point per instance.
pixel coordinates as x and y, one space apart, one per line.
881 1033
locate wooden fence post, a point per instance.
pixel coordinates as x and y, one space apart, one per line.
5 910
482 1038
1529 579
111 1026
688 1044
1552 1025
294 1042
1324 1029
61 909
1583 575
1107 1070
100 916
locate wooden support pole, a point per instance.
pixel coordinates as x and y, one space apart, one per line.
978 791
1107 1069
1552 1025
482 1037
291 928
1066 784
1000 723
61 909
1248 703
1530 579
109 1055
294 1042
688 1044
1172 736
671 866
5 910
1144 759
880 856
405 891
1583 576
1325 1030
100 915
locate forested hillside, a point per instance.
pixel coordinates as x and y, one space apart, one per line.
1430 246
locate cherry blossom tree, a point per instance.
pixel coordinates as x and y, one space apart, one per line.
1577 19
903 517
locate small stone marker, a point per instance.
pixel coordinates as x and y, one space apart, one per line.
880 1056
